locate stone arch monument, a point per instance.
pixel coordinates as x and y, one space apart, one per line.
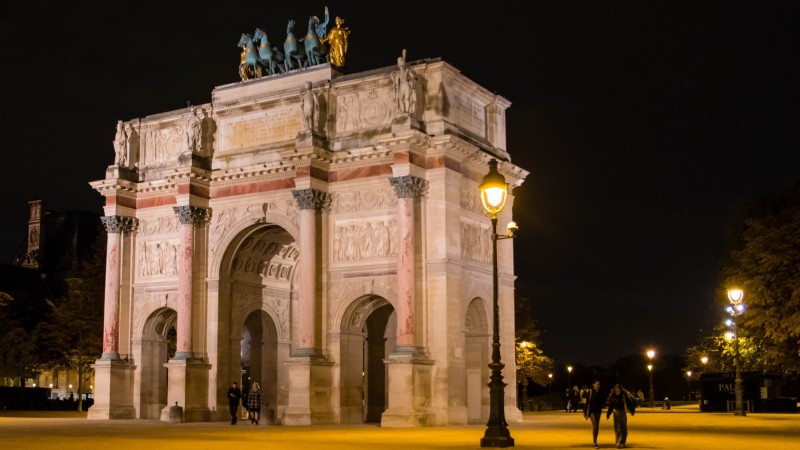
343 264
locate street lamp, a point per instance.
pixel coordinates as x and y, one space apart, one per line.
494 192
569 377
704 360
550 384
651 354
735 309
689 377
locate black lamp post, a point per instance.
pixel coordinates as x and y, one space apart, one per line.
494 192
651 354
736 308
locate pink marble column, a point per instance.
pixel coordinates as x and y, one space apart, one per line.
407 189
304 339
188 216
114 226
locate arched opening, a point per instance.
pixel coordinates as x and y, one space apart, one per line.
157 346
259 358
256 292
368 336
477 347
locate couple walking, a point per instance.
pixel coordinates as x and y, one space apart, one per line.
620 403
252 402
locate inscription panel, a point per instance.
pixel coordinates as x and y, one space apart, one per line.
262 127
467 111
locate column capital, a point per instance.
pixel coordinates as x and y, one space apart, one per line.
311 199
408 186
118 224
191 215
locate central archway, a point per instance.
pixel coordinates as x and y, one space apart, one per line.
256 293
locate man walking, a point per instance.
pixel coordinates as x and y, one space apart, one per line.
234 396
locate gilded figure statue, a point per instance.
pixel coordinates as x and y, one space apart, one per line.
337 39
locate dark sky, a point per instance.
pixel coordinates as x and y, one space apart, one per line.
643 125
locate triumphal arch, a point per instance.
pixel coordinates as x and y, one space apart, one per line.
319 233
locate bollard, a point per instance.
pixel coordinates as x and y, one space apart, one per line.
175 414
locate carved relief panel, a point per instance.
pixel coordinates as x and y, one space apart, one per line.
162 145
476 242
260 127
364 110
364 239
157 258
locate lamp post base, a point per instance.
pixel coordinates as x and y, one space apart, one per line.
497 437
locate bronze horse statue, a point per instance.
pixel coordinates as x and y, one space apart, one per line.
316 52
293 51
249 65
269 57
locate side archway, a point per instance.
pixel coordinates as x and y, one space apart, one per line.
152 350
368 335
477 345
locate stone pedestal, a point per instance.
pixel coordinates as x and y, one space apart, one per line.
113 390
409 380
187 385
310 391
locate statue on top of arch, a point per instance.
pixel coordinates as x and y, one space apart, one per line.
318 46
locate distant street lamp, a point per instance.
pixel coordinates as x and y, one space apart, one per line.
689 377
550 384
569 377
704 360
736 308
651 354
494 192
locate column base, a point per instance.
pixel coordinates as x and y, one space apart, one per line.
409 380
187 381
113 391
309 401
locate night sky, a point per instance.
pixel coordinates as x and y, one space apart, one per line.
643 124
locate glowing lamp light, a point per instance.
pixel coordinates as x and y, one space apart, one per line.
735 296
689 373
729 322
729 335
650 367
651 354
494 190
704 360
569 369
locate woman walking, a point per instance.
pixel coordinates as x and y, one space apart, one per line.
594 409
254 403
620 403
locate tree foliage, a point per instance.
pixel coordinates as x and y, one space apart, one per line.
530 358
72 337
765 262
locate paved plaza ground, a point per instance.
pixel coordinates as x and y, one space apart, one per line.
681 428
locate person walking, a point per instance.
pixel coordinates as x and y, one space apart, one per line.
593 409
620 403
254 403
234 396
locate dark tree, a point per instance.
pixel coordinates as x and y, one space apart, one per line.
72 337
765 262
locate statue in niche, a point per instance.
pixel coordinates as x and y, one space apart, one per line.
194 130
120 145
309 107
404 82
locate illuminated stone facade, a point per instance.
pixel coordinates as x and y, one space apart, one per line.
336 253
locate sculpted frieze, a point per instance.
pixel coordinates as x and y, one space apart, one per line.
367 200
226 219
367 239
158 225
471 201
163 145
366 109
158 258
476 242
